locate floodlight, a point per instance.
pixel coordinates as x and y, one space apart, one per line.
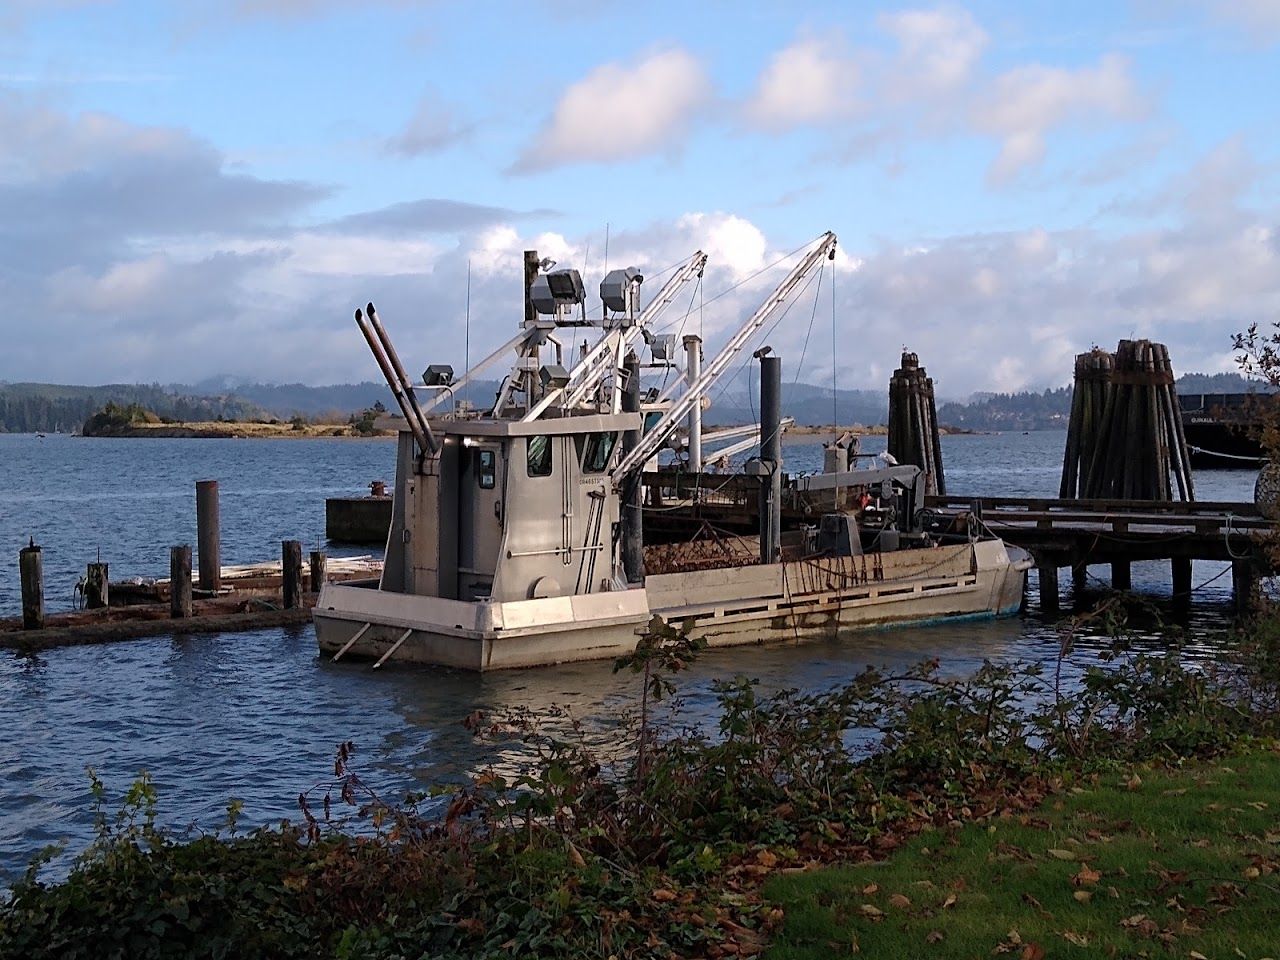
553 376
438 375
618 287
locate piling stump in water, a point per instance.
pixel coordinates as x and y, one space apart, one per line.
209 535
31 571
180 582
291 564
913 422
97 586
317 571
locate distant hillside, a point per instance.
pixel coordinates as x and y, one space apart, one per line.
810 405
49 408
31 407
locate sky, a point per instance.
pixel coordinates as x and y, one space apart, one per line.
198 189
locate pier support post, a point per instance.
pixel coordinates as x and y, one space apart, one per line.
1181 569
1048 571
1079 577
1121 575
317 571
180 582
693 370
771 458
208 535
632 502
31 571
291 564
1243 583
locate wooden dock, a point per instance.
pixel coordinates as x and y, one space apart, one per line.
1079 533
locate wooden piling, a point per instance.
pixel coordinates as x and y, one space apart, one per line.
913 422
180 582
291 565
1243 584
317 571
97 590
1181 570
31 573
1125 439
1121 575
1048 586
208 535
1079 577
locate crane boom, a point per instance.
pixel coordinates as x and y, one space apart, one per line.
658 434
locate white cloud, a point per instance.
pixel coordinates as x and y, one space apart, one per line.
811 81
619 112
1260 19
938 50
434 126
1025 103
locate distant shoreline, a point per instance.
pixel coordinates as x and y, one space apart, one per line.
237 430
389 427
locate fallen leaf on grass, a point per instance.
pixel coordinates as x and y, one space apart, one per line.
1134 782
949 902
871 910
662 895
870 889
1252 873
1061 854
934 936
1086 877
1083 896
1033 951
1072 937
766 858
899 901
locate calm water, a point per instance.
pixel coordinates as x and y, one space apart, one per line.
257 715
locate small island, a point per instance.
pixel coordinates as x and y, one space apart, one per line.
134 420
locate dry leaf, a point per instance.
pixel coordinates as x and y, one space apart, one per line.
1086 877
870 889
949 902
766 858
1083 896
1033 951
1061 854
934 936
1134 782
871 910
663 895
1072 937
899 901
1252 873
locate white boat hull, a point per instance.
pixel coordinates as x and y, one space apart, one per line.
751 604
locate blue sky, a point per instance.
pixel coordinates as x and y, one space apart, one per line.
191 189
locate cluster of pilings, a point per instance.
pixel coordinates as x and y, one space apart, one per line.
913 422
1125 437
31 569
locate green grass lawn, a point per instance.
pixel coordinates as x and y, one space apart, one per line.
1182 863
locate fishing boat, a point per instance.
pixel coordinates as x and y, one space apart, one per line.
518 536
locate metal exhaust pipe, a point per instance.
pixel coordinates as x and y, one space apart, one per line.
433 445
392 381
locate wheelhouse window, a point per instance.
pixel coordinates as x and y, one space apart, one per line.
598 449
487 469
539 456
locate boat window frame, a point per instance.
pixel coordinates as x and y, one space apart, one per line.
543 469
486 475
591 446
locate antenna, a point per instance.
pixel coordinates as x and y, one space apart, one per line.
467 355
